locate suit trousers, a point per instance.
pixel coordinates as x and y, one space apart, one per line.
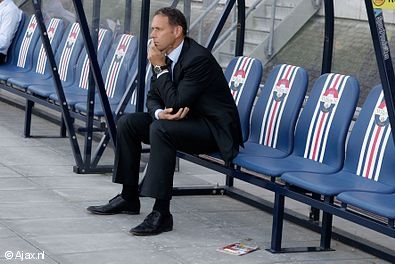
165 137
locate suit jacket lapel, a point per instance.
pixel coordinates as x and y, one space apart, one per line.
178 65
176 72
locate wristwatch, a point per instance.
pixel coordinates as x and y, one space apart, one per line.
158 69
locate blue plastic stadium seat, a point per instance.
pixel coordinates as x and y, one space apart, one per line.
320 132
244 75
120 63
115 101
66 57
131 107
20 59
40 68
382 204
77 91
275 113
369 158
78 74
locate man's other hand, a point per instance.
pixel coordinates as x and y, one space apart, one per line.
167 114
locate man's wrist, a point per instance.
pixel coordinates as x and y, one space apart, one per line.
159 68
157 112
161 73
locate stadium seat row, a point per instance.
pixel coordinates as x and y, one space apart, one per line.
293 146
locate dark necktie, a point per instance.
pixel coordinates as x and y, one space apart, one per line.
168 64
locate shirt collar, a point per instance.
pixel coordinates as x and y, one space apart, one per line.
175 54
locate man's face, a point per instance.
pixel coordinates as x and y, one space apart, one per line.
163 34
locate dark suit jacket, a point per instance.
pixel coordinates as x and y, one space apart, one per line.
199 83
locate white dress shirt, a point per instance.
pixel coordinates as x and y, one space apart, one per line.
10 16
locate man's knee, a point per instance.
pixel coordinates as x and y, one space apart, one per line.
122 123
128 120
158 128
155 127
135 124
127 123
120 120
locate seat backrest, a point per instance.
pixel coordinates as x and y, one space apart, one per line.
131 108
25 48
14 49
370 150
55 29
118 63
244 75
322 127
118 66
277 108
68 52
83 67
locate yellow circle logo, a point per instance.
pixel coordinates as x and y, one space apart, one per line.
378 2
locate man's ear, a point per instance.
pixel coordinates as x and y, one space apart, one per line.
178 31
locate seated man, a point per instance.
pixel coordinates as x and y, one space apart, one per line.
190 108
10 16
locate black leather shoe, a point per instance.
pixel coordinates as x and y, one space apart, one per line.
116 205
155 223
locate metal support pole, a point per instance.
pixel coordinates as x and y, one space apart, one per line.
220 24
58 85
328 38
241 25
326 229
383 57
89 46
90 100
28 118
272 23
314 212
174 3
145 11
128 16
277 225
187 11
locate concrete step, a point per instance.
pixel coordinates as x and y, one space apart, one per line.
227 50
286 29
261 23
285 3
290 16
265 11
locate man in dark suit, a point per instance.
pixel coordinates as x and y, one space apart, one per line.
190 109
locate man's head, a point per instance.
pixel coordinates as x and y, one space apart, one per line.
169 28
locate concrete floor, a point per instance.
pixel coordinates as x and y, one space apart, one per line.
42 212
